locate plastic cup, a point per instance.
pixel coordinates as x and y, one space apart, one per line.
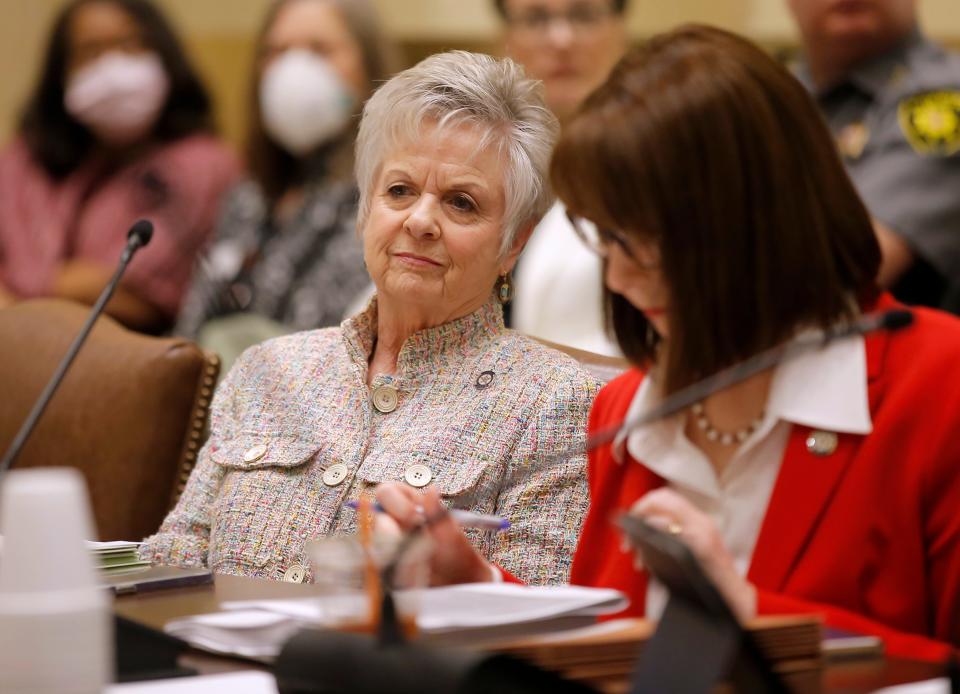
340 571
55 626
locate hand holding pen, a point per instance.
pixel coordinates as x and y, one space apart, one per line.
465 519
454 559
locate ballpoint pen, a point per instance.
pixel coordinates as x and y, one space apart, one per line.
466 519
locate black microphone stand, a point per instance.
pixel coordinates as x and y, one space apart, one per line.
138 236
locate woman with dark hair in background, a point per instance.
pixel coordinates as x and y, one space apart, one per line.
118 128
727 224
286 256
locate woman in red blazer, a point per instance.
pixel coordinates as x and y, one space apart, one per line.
867 535
830 484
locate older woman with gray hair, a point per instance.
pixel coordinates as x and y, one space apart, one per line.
425 389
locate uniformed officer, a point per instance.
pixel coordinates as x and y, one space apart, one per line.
892 100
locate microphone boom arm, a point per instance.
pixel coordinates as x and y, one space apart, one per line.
135 242
889 320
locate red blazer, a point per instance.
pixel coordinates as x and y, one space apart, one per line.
868 537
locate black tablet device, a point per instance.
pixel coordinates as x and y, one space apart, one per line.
156 578
672 563
697 620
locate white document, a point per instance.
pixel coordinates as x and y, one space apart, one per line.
103 547
248 633
469 606
938 686
232 683
112 545
478 605
258 628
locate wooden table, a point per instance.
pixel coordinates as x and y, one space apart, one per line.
155 609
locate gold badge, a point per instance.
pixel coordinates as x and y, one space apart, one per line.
852 139
931 122
822 443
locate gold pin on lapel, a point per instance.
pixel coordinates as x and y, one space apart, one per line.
821 443
852 139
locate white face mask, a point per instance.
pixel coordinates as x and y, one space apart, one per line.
119 96
303 101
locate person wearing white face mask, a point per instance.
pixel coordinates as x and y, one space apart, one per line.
304 101
118 96
118 128
285 256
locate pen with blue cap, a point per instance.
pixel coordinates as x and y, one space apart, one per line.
465 519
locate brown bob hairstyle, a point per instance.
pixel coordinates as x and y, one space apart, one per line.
704 145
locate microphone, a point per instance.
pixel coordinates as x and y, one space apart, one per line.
138 237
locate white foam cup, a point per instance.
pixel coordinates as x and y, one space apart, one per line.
55 624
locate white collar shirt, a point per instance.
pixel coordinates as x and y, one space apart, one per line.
824 389
559 288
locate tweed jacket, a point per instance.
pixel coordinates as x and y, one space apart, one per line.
480 407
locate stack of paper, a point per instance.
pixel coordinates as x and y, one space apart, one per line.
229 683
258 629
938 686
605 654
113 558
116 558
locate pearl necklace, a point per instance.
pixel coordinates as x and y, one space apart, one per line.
724 438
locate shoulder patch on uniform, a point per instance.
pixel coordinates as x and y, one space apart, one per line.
931 122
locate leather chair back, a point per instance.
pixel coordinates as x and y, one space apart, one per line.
130 413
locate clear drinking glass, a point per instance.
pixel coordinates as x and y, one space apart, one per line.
349 579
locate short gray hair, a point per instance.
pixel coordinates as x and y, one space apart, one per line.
458 87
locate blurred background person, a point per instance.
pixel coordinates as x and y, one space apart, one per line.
570 45
119 127
892 100
425 388
286 255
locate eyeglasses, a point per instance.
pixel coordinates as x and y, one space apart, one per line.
598 240
582 18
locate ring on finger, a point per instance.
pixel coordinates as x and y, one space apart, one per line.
675 528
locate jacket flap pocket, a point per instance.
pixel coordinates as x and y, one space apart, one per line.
250 451
449 477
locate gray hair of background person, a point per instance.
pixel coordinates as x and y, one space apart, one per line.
490 94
